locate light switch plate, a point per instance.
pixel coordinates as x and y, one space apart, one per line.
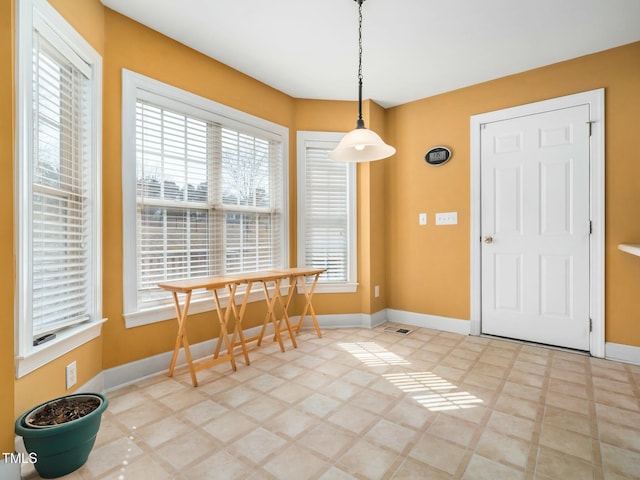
422 219
447 218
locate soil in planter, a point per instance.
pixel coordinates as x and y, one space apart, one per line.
64 410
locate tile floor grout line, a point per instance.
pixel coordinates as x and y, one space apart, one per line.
597 459
471 450
534 448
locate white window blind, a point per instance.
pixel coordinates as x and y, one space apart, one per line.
251 201
61 220
57 207
209 198
326 209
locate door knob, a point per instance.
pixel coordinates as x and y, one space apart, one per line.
488 239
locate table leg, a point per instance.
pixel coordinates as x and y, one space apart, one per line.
181 338
232 290
285 315
270 316
223 330
239 315
267 317
308 305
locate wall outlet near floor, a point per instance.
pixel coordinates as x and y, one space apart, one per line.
447 218
72 375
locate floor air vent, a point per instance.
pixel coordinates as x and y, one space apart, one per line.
399 331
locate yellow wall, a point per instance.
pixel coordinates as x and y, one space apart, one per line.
372 219
86 17
6 217
428 267
50 381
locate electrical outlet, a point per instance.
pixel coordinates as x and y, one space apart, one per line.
376 291
72 375
422 218
447 218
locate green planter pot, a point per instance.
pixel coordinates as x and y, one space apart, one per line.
61 449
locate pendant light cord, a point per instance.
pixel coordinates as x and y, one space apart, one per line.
361 144
360 122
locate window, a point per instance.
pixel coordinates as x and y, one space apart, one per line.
58 188
326 212
203 193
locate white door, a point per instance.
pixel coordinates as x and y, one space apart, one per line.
534 174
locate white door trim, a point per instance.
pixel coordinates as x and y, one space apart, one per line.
595 100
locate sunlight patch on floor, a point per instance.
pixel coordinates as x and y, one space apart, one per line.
373 355
432 391
428 389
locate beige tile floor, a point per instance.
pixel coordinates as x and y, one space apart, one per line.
368 404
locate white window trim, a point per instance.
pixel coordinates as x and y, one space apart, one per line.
133 85
28 357
351 285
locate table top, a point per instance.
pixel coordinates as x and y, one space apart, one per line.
632 248
219 281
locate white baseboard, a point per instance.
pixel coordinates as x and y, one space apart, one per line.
96 384
135 371
622 353
378 318
446 324
349 320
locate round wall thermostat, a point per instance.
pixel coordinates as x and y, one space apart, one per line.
437 155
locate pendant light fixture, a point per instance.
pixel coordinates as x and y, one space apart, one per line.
361 144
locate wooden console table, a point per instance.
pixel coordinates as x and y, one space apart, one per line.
230 283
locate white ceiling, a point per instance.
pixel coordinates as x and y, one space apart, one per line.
412 49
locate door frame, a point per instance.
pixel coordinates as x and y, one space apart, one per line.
595 100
